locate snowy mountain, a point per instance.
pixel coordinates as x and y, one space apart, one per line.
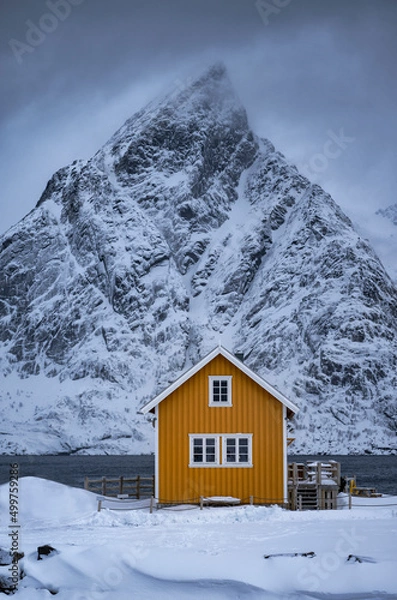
183 231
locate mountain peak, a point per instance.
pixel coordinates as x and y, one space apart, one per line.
215 77
211 91
215 72
207 99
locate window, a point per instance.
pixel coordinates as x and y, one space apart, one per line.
220 390
237 450
217 450
204 450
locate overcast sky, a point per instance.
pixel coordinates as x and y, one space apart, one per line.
317 77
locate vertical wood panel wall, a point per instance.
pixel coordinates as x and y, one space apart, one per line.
254 411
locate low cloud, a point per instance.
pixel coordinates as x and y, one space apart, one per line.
313 68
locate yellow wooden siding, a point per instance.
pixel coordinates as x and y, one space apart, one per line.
254 411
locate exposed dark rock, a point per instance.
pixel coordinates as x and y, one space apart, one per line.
390 213
291 555
7 586
352 558
46 551
5 557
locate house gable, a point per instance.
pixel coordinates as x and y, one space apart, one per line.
189 404
265 385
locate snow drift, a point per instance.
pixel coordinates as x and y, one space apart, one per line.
217 553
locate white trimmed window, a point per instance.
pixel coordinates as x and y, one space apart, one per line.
220 390
204 450
237 450
221 450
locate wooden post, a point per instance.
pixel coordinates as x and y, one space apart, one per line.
151 504
335 471
321 501
86 483
99 505
350 500
294 473
318 474
251 500
138 486
295 497
299 502
201 502
103 486
121 485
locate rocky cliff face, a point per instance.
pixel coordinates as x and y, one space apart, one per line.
184 230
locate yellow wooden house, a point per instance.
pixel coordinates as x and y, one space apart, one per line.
220 432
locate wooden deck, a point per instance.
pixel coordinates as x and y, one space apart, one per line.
313 485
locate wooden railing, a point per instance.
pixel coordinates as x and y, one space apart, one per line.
127 487
314 471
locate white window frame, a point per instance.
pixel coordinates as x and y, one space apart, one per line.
204 437
219 403
237 437
220 450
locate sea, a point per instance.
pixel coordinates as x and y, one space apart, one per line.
379 472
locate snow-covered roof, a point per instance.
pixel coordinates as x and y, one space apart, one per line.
237 363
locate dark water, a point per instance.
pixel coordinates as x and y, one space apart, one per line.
379 472
71 470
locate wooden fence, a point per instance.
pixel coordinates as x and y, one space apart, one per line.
125 487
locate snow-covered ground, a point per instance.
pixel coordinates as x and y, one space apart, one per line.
216 553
